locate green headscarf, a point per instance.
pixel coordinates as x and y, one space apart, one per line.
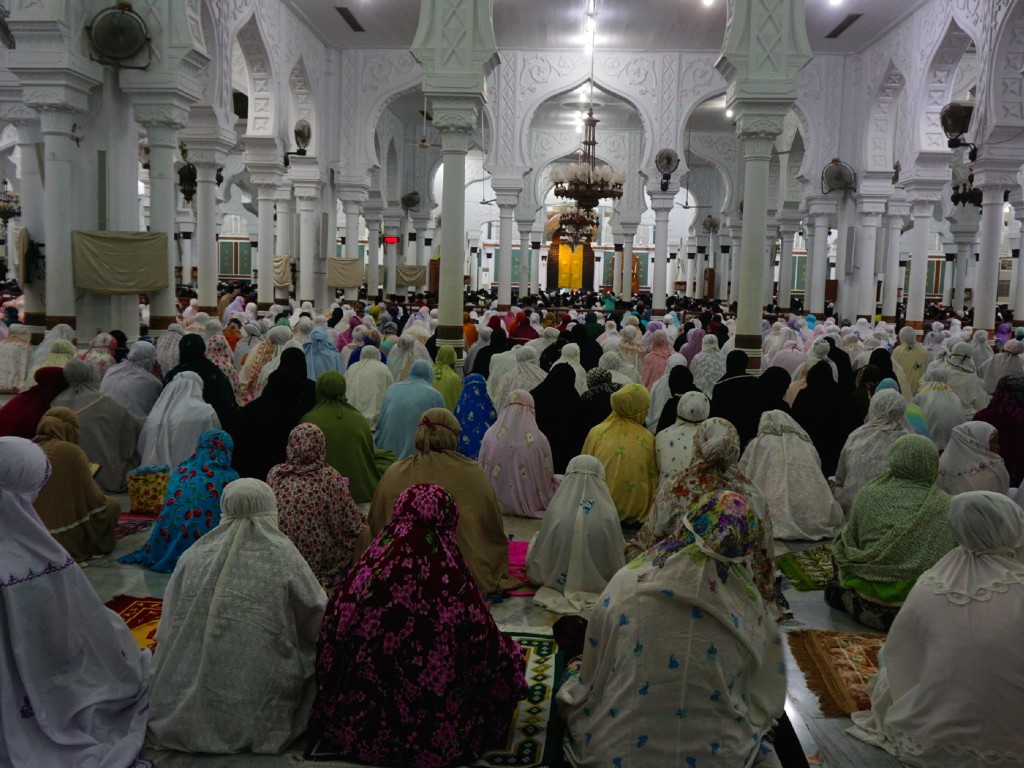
898 527
446 380
350 448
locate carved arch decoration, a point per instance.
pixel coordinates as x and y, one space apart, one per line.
999 114
262 119
880 133
215 79
937 89
303 102
720 151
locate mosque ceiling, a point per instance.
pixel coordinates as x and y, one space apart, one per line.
634 25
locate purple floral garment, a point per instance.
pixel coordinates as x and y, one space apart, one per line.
411 669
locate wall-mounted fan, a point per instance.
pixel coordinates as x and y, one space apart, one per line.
411 201
118 35
838 176
424 142
666 161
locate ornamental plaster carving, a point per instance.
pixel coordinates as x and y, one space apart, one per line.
261 89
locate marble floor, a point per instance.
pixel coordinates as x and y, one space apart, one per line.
823 739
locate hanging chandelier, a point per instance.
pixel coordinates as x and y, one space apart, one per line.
10 203
575 225
586 183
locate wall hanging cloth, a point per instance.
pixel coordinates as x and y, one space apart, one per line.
119 262
282 272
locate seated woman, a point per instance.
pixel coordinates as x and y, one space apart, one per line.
674 445
950 677
864 456
1005 412
132 383
579 546
596 402
71 505
560 415
637 681
192 508
446 380
177 420
404 403
971 461
314 507
349 442
897 530
108 433
475 414
240 622
942 408
20 415
626 449
782 461
57 357
93 712
480 534
14 358
262 428
411 668
516 457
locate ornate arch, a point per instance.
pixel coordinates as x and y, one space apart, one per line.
937 87
999 115
303 101
880 136
262 119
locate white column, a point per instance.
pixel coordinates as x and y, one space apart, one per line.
353 209
735 260
57 201
1018 296
266 196
373 225
987 282
787 231
817 273
757 148
617 267
32 214
627 266
949 267
870 221
921 211
963 256
206 236
891 284
691 270
725 269
524 259
702 264
392 228
163 142
309 225
662 203
506 210
535 243
285 245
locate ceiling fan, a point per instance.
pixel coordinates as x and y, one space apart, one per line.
483 177
686 176
424 142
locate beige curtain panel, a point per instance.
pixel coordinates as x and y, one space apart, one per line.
344 273
282 272
119 262
17 247
414 276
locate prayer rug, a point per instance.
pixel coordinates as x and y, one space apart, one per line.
127 527
517 569
837 667
808 570
527 745
141 614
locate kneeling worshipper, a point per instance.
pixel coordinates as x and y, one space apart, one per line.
971 461
100 353
258 358
949 685
525 374
314 507
942 409
475 415
237 636
819 410
673 445
962 378
217 389
516 457
1007 362
656 360
782 461
59 332
734 397
560 415
350 448
683 663
167 349
571 357
20 415
715 466
253 338
177 420
218 352
406 352
71 505
626 449
480 534
708 365
446 380
912 357
76 684
661 392
108 433
14 358
262 428
368 381
597 400
1005 412
59 354
132 382
865 455
896 531
321 356
579 547
404 403
411 668
192 503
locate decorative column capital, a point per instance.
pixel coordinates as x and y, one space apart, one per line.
455 44
304 174
506 202
995 174
392 218
151 112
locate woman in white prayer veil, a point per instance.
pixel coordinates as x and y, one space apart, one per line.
623 374
243 585
483 340
75 683
782 461
273 364
579 546
252 339
942 409
525 374
981 352
610 335
1008 361
971 461
951 676
548 336
674 446
934 337
366 382
179 417
571 357
132 382
660 392
59 331
963 380
708 365
817 354
407 350
865 455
